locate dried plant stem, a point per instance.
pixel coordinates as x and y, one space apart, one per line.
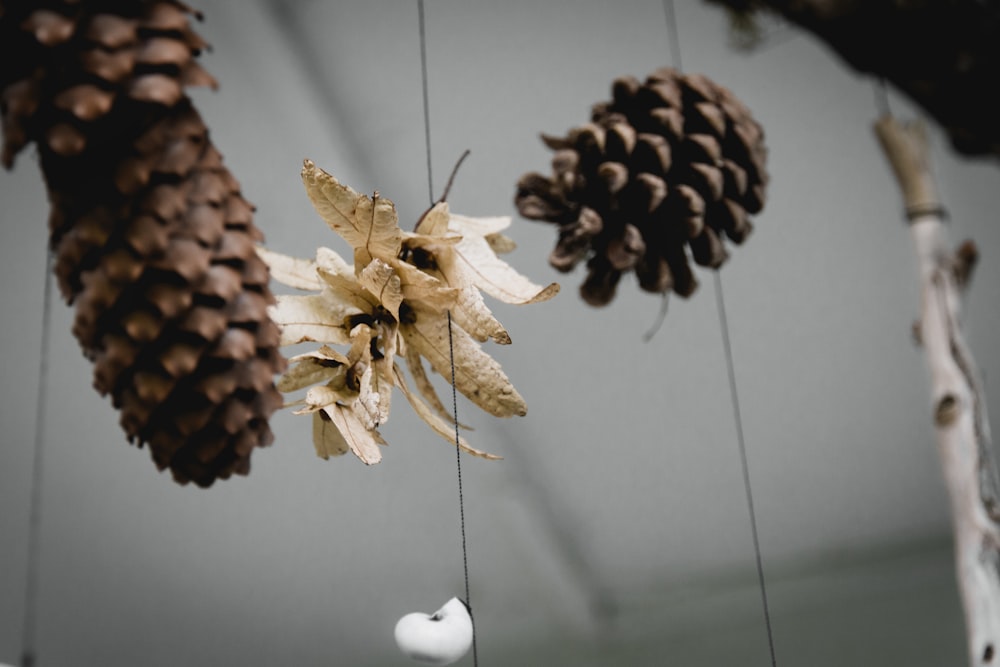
959 404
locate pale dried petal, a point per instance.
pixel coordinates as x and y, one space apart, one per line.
313 368
310 318
465 225
353 298
477 375
327 438
321 396
480 264
364 222
501 244
372 406
472 314
385 379
291 271
361 338
383 283
433 244
363 442
445 429
425 387
425 289
435 221
332 263
323 365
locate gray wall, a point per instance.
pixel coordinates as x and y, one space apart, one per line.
615 530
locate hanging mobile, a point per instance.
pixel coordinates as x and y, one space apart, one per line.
444 637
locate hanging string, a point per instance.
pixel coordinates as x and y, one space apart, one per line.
741 443
675 42
35 507
451 347
427 105
668 8
461 499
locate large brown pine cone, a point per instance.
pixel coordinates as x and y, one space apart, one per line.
662 172
152 239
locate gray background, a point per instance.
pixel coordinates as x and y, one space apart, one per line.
615 531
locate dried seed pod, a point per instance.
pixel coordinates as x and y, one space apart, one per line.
657 178
153 240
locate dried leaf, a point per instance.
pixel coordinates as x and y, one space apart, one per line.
347 292
466 259
383 282
445 429
327 438
363 442
477 375
324 365
501 244
291 271
332 263
435 221
426 289
310 318
320 397
424 386
487 271
372 406
473 315
368 224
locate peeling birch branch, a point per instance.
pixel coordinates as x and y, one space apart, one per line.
960 419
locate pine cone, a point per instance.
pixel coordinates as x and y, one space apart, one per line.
660 174
153 242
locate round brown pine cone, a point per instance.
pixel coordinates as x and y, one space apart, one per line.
659 176
153 241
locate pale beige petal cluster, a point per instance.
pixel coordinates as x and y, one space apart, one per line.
394 300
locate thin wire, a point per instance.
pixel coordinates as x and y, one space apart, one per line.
451 345
741 441
35 507
668 9
461 498
427 108
675 42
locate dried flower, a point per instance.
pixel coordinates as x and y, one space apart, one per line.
403 295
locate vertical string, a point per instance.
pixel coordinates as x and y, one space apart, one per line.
675 49
674 42
35 506
461 499
451 346
741 444
426 96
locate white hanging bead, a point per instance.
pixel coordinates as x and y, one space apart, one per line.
440 638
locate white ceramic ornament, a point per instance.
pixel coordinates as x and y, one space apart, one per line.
440 638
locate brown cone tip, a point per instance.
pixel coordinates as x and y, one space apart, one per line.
660 177
154 243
